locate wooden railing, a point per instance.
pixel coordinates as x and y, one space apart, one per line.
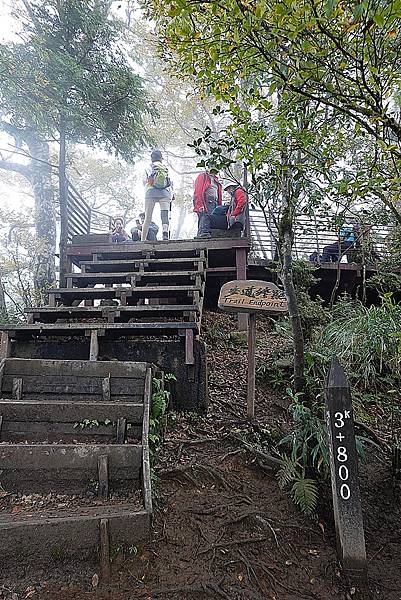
311 235
81 218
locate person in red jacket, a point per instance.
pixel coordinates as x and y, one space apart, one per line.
208 194
236 210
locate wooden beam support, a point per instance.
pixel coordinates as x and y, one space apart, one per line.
106 389
189 347
5 350
250 403
105 567
121 430
94 346
103 476
17 389
240 262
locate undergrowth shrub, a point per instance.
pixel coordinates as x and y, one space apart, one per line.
367 340
304 454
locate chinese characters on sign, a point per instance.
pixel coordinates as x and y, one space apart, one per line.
252 296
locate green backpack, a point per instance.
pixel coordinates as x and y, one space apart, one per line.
159 178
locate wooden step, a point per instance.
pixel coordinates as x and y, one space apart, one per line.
77 368
127 294
93 432
136 278
68 384
35 466
44 410
147 312
138 250
109 329
41 420
145 264
48 536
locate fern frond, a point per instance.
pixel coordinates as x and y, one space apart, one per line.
287 472
304 493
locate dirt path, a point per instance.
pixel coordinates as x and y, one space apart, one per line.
222 527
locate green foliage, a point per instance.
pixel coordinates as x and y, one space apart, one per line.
366 339
313 313
387 277
58 553
158 416
303 273
70 69
306 458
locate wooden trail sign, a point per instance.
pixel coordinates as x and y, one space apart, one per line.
344 474
252 296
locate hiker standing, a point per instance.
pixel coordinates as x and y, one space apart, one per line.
207 195
236 210
158 189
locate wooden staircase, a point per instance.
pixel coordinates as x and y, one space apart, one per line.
74 457
77 429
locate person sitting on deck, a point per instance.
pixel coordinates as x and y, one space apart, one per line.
118 233
236 209
334 252
158 189
136 231
365 251
208 195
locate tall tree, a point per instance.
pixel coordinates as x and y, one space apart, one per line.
343 55
70 81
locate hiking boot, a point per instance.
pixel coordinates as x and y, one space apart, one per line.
203 236
165 235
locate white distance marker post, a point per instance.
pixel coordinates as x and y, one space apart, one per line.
344 475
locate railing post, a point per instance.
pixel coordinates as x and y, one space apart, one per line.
247 231
89 221
63 195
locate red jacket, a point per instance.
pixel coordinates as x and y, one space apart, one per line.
202 183
240 200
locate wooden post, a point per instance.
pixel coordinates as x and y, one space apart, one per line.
17 389
189 347
103 476
250 402
94 346
105 570
121 430
240 261
63 197
344 475
106 389
5 350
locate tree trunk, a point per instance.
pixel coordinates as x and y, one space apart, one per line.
45 216
286 236
3 305
63 193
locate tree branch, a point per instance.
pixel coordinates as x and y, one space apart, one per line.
23 170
